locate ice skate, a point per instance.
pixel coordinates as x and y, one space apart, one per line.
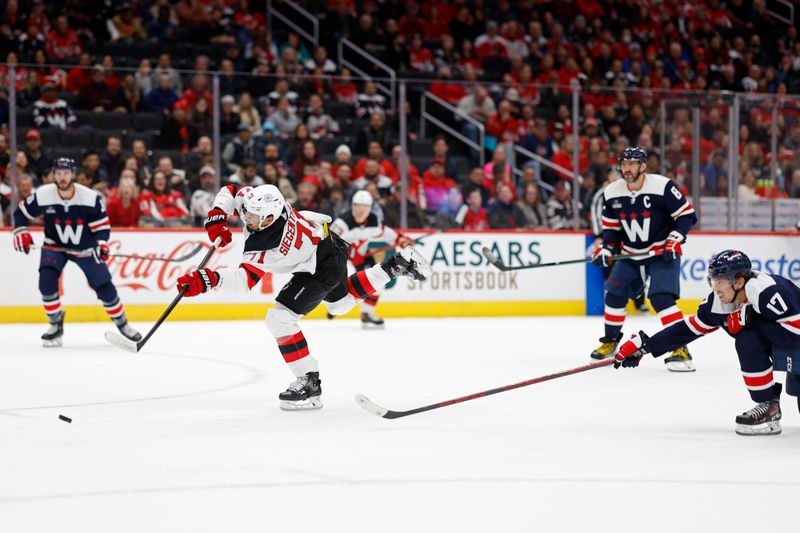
407 262
608 347
303 394
763 419
370 321
52 338
129 333
680 361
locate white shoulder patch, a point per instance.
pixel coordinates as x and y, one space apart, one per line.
616 190
654 184
47 194
84 196
754 287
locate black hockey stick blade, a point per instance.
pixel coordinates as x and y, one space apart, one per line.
375 409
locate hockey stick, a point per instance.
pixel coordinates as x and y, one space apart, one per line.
90 252
118 340
392 246
375 409
497 262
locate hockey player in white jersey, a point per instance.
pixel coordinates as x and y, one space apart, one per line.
361 229
280 239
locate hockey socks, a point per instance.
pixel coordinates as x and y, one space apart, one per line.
52 306
614 315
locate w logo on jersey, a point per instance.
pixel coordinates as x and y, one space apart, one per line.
69 234
634 229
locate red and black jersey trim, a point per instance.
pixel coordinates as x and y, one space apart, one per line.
359 286
268 238
293 347
233 189
254 274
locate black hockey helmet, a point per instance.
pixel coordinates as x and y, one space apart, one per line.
728 264
65 163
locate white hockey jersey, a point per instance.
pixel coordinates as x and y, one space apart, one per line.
360 236
288 245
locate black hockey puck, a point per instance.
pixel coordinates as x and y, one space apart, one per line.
65 419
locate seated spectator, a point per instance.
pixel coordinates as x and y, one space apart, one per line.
306 197
441 150
413 171
564 158
200 119
491 45
125 27
161 99
342 155
436 185
320 124
747 189
203 198
239 148
284 118
561 208
320 60
123 207
419 56
504 126
97 95
307 162
229 119
161 206
85 178
443 87
533 208
91 165
375 151
25 188
504 213
176 177
472 216
144 160
497 170
128 97
370 102
375 131
164 68
335 205
372 174
273 177
446 216
539 141
229 82
272 154
144 77
478 106
161 29
248 114
49 111
246 175
197 89
282 91
177 133
344 177
81 74
62 41
111 161
344 90
39 158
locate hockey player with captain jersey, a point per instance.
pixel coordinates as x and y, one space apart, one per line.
283 240
361 228
643 213
76 228
762 313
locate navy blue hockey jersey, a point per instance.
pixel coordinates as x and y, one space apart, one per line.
640 221
773 298
78 223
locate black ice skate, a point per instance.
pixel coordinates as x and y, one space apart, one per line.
52 338
407 262
764 418
371 321
608 347
129 333
303 394
680 360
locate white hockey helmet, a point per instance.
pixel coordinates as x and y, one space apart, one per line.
263 201
362 198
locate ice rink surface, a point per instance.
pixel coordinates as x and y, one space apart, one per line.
187 435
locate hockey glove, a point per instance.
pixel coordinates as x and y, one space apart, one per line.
101 252
198 282
22 240
631 352
672 248
404 242
216 225
602 255
740 319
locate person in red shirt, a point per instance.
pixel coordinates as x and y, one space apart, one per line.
80 75
63 42
375 151
436 185
444 89
344 90
197 90
491 44
472 215
123 207
421 57
564 158
505 126
161 205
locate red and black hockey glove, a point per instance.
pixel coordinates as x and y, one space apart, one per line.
602 256
740 319
22 240
198 282
101 252
216 225
672 248
631 352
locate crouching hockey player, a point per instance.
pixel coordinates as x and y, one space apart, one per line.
77 229
280 239
643 213
762 313
361 228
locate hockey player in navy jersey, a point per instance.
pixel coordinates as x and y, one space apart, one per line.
361 228
643 213
762 313
77 229
281 239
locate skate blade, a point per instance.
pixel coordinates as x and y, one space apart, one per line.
768 428
367 325
52 343
118 340
682 366
303 405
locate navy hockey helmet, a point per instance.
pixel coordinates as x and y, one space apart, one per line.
65 163
633 153
728 264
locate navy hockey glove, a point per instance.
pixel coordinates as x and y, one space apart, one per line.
216 225
631 352
672 248
740 319
602 255
198 282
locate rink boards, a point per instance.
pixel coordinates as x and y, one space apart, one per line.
462 284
